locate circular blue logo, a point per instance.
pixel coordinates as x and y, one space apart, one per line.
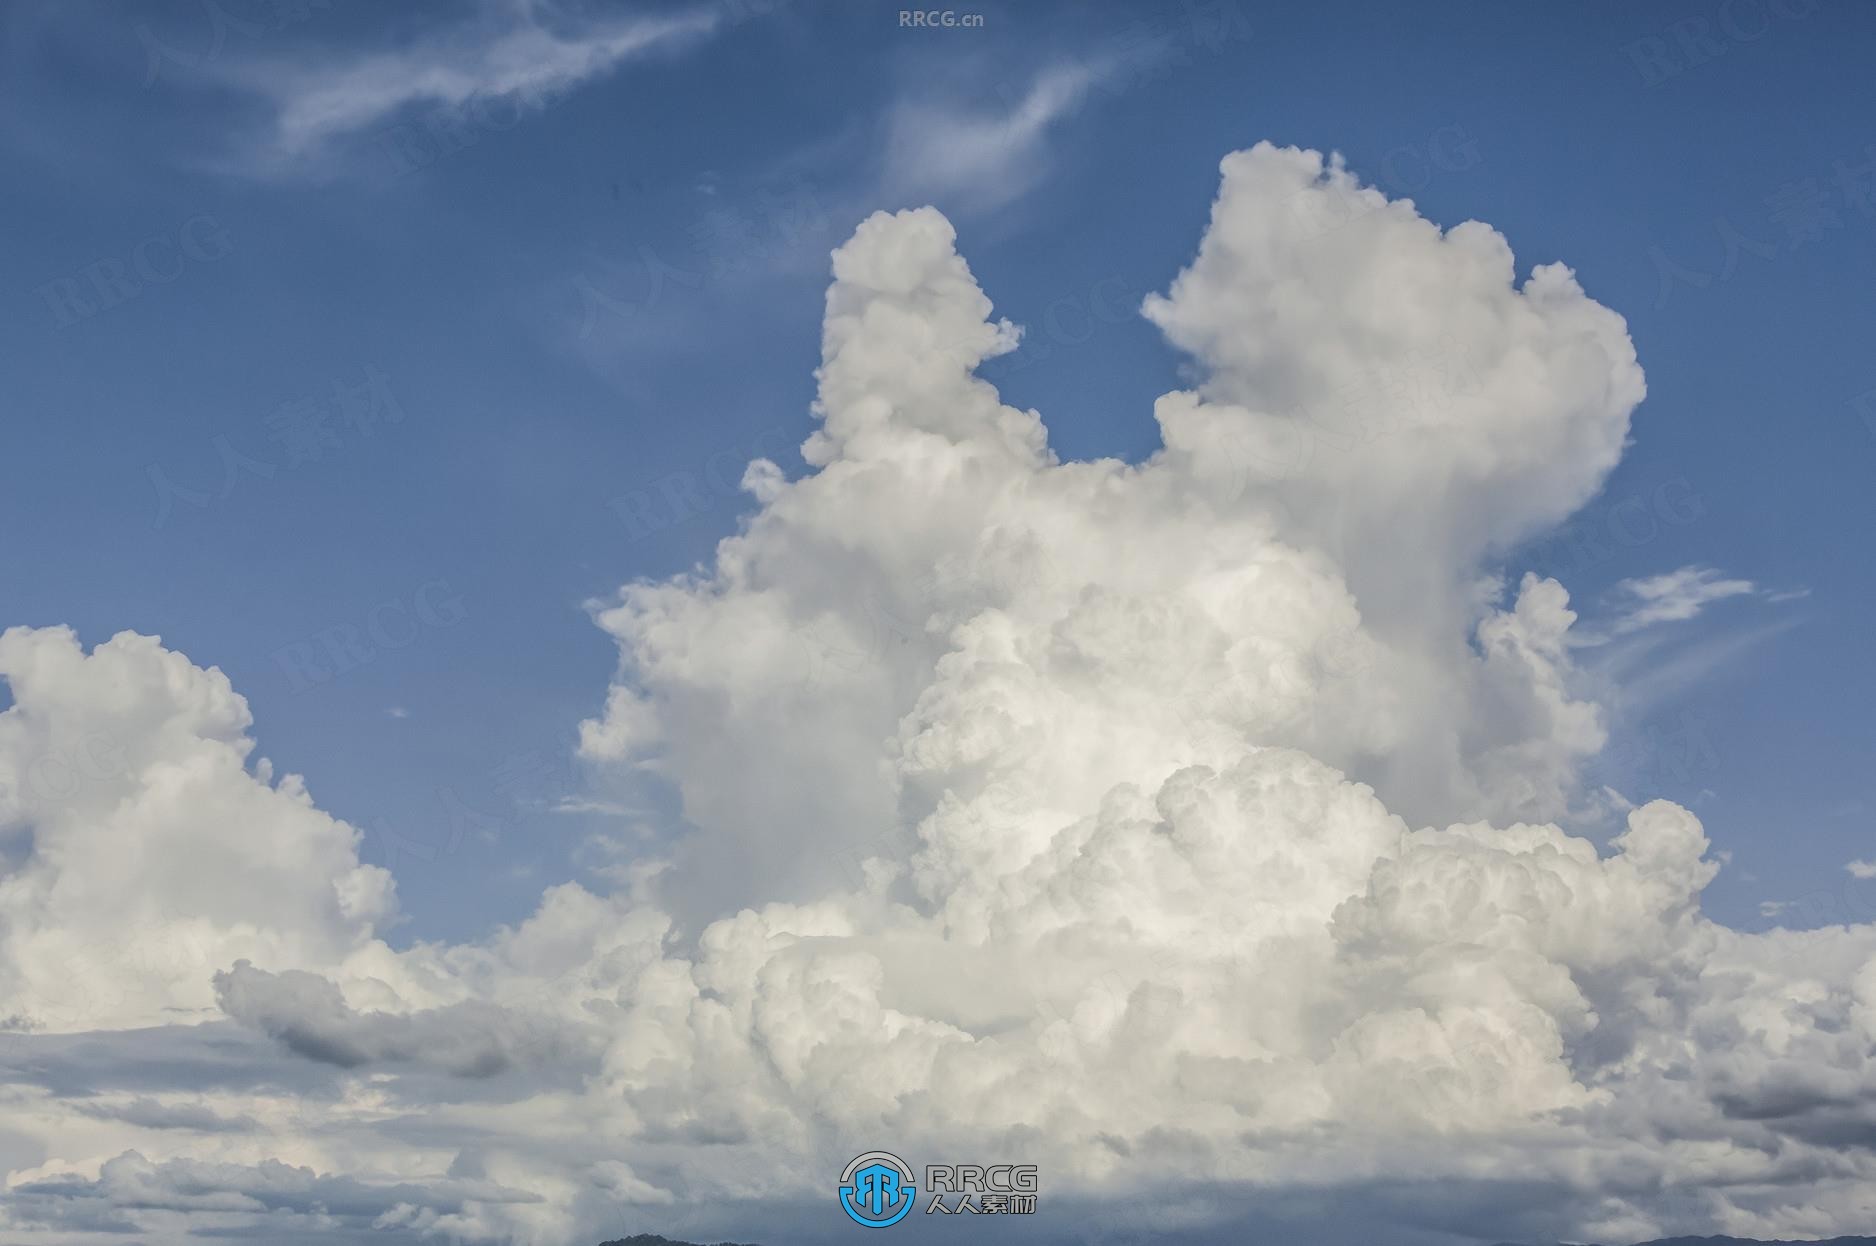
876 1189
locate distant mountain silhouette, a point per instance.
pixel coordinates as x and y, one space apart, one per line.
652 1239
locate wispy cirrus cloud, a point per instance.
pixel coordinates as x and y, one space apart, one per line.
975 156
985 156
1644 602
1674 596
515 52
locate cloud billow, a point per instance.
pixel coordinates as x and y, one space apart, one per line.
1187 821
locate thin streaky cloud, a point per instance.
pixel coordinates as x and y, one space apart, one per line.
506 53
1647 673
1673 597
980 158
1676 596
578 804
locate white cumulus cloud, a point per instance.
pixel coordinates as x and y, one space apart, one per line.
139 844
1186 827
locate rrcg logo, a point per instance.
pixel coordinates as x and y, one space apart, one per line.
877 1189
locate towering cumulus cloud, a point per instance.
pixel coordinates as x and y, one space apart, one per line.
1187 828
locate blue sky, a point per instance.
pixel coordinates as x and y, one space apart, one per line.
544 349
752 744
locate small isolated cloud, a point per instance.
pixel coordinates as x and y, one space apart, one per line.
1861 869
